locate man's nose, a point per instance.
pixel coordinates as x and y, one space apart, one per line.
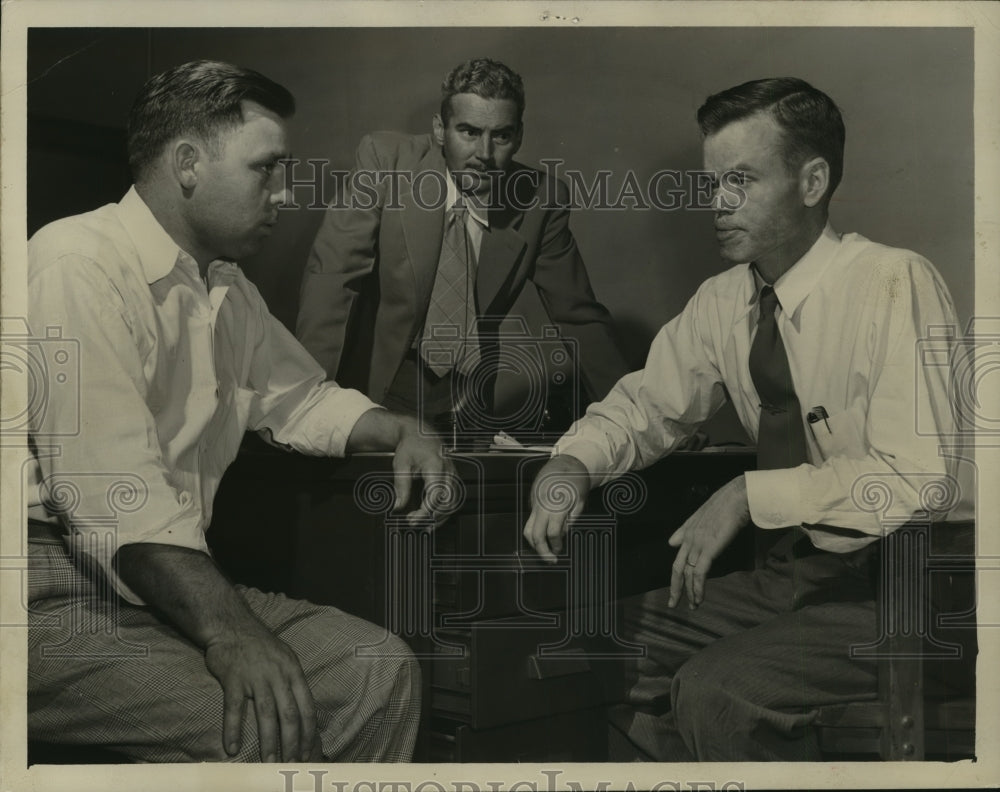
484 148
720 203
281 196
280 193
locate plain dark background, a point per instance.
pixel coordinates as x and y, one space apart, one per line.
597 98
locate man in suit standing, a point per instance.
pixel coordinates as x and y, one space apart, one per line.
403 294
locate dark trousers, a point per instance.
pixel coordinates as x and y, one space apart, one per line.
739 678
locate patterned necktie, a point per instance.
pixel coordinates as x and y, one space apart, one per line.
450 339
781 437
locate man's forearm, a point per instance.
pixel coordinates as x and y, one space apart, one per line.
380 430
188 588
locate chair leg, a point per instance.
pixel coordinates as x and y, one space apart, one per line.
903 602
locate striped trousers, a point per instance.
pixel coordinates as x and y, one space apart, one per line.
103 672
739 678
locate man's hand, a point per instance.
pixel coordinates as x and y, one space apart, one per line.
249 662
557 498
703 536
418 452
256 668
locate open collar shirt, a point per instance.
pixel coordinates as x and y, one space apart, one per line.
163 373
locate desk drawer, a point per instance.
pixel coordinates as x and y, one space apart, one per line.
510 671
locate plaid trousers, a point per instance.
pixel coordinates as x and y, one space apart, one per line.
104 672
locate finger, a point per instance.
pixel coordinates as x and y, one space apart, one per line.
438 493
554 535
422 516
698 586
307 716
233 706
289 723
690 569
677 577
535 531
316 750
402 481
529 527
677 537
267 725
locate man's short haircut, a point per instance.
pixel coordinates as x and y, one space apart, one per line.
201 98
810 120
485 78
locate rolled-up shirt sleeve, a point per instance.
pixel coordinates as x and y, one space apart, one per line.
649 412
293 402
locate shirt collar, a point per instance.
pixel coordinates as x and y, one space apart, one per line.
158 253
452 196
794 286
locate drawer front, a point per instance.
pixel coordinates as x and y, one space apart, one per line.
512 672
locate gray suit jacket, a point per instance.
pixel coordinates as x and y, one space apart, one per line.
371 270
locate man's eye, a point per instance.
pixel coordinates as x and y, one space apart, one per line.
502 137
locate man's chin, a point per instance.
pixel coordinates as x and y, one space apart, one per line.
732 254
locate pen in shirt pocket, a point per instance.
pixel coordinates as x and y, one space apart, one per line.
817 414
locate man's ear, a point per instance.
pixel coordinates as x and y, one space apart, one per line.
814 180
184 162
437 126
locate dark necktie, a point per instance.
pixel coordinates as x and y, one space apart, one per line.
781 437
450 337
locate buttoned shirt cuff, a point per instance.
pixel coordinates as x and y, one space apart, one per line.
774 497
590 455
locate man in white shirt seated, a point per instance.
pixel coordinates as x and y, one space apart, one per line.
813 335
137 641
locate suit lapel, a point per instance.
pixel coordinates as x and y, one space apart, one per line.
422 226
501 249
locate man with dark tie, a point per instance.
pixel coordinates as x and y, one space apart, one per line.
812 335
404 294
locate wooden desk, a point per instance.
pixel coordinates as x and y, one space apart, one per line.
514 651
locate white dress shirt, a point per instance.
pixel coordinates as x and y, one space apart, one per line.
476 221
172 372
853 317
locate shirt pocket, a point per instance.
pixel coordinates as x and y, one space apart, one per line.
841 435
